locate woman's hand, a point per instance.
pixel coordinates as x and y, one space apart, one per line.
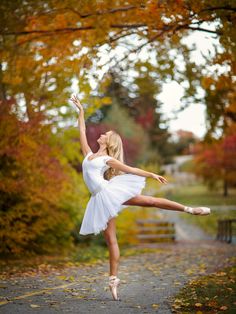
77 102
159 178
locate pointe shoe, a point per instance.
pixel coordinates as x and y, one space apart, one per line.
113 284
197 210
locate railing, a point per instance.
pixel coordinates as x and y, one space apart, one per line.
225 230
154 230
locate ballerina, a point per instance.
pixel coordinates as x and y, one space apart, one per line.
114 186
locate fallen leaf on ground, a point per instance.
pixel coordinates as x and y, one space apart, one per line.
223 308
155 305
34 306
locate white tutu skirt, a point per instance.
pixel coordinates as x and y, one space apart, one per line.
107 203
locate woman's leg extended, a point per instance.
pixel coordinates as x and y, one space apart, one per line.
111 240
151 201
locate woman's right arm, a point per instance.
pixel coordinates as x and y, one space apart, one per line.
82 127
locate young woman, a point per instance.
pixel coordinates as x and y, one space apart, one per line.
114 186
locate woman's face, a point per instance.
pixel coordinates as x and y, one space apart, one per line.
104 137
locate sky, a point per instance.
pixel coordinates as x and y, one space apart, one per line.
190 119
193 118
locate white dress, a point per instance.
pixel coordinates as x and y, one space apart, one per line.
107 196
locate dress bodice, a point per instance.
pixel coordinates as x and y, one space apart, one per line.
93 172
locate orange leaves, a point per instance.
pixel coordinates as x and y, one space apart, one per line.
207 82
32 189
34 23
14 80
91 23
151 7
60 21
208 294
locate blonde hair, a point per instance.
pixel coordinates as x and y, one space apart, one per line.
114 149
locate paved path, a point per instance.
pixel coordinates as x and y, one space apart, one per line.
148 282
185 230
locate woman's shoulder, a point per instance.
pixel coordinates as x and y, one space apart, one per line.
88 153
107 158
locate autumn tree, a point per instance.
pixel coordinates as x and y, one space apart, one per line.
48 43
48 46
37 207
215 162
135 139
122 116
149 110
138 98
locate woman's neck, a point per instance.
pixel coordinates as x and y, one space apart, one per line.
101 151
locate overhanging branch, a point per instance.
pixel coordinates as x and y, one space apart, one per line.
203 30
115 26
70 29
224 8
82 16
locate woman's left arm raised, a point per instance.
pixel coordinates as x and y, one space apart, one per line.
82 127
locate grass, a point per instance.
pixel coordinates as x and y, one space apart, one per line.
198 194
214 293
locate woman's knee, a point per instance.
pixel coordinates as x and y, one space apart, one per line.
110 238
142 200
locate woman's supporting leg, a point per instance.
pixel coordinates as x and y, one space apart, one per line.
111 240
151 201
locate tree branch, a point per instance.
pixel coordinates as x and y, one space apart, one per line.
57 30
118 36
70 29
202 30
141 46
122 9
226 8
116 26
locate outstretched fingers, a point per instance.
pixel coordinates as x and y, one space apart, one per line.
162 179
76 101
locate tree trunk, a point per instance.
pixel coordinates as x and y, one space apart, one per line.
3 99
225 188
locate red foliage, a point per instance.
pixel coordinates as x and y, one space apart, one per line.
33 182
146 120
217 161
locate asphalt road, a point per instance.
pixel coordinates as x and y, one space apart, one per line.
149 282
